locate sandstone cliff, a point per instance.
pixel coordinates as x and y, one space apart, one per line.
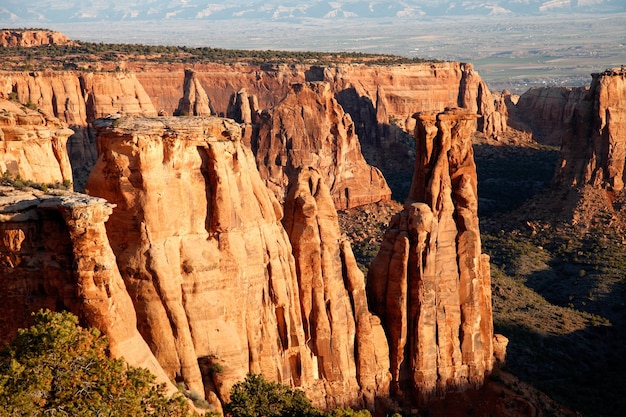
309 128
10 38
593 144
195 228
347 340
32 145
430 283
54 253
77 99
546 111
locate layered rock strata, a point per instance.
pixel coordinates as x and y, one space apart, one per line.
195 228
28 38
309 128
77 99
593 147
546 111
32 145
430 283
54 253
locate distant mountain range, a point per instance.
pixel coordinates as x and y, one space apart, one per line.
13 12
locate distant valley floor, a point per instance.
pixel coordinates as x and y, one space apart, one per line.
515 53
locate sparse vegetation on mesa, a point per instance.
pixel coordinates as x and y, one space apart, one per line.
82 53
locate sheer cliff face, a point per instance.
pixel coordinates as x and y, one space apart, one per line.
593 147
430 284
210 268
54 253
33 145
347 340
77 99
309 128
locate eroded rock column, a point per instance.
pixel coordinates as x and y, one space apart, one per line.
430 283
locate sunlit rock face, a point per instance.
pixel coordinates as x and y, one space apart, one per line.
594 143
55 254
29 38
430 283
309 128
212 272
32 145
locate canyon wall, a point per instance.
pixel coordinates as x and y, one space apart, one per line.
55 254
195 228
593 149
33 146
379 99
309 128
11 38
430 283
545 111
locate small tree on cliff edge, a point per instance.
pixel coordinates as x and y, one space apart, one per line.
57 368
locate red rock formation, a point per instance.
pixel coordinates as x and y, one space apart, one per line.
194 102
33 145
430 282
593 145
195 228
77 99
309 128
546 111
347 340
54 253
10 38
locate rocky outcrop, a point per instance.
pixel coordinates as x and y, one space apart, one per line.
32 145
593 147
194 101
309 128
54 253
11 38
546 111
430 283
195 228
77 99
347 341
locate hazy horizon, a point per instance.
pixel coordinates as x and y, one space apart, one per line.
510 49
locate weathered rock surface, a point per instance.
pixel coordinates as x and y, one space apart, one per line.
309 128
32 145
593 147
54 253
195 228
77 99
194 101
347 340
27 38
546 111
430 283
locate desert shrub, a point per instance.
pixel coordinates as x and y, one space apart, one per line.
256 397
56 367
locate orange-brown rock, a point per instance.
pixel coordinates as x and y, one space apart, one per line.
348 342
194 229
309 128
32 145
546 111
54 253
593 147
11 38
194 101
77 99
430 283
